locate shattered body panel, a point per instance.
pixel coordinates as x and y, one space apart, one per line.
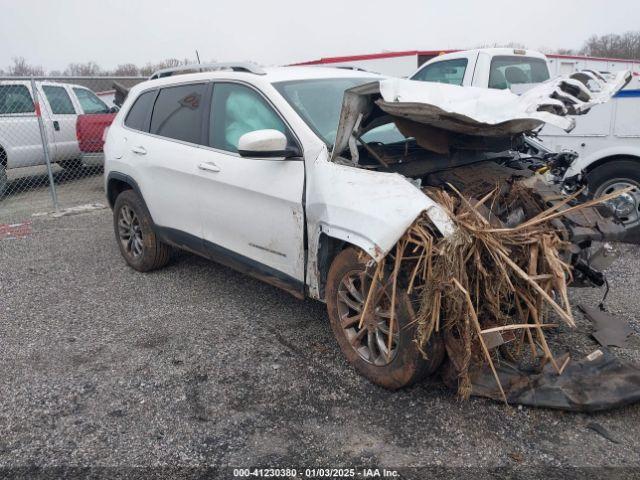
372 209
458 126
476 111
368 209
510 245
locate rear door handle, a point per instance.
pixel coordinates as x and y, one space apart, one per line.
139 150
56 125
209 167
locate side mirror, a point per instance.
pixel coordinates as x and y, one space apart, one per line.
265 143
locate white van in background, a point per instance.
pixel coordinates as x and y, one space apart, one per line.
607 139
60 105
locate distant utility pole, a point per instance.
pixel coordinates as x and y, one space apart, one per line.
198 56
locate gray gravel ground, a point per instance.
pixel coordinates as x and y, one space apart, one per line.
198 365
28 189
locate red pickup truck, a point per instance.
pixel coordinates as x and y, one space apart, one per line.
90 131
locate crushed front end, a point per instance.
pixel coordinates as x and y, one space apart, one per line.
490 291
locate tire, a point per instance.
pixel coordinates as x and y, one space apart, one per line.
406 365
613 175
4 181
131 220
74 164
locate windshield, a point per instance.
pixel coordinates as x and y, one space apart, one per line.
319 102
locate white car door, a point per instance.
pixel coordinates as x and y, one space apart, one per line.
167 157
19 130
252 212
60 122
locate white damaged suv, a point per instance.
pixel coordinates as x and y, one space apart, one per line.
278 173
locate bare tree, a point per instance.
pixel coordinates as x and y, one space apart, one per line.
126 70
564 51
626 45
21 68
88 69
149 68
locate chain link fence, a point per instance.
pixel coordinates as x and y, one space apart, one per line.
51 141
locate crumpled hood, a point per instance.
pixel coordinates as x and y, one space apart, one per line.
473 110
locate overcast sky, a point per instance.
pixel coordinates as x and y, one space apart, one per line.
55 33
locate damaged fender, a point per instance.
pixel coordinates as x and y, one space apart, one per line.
368 209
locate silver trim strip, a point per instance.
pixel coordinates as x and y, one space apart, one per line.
235 66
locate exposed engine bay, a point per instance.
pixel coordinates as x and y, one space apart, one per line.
488 287
442 145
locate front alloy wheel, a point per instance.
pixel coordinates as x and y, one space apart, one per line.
389 358
371 339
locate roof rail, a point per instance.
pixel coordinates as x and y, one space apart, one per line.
235 66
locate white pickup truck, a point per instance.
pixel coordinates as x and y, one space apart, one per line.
60 105
607 139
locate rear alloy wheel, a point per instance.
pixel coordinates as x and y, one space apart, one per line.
133 227
4 181
387 356
130 232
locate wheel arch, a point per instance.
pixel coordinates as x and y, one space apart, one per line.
589 162
117 183
328 249
329 246
611 158
4 157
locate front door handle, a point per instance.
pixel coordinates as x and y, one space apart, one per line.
209 167
139 150
56 125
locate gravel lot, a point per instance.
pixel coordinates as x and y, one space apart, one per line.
198 365
28 190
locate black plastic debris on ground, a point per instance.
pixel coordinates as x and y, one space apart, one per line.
600 381
609 330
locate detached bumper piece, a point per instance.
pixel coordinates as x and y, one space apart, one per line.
598 382
595 223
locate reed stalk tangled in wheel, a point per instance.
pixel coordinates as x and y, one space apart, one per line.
486 278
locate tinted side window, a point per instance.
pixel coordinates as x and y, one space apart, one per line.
138 116
178 113
447 71
236 110
90 102
510 70
59 100
15 99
